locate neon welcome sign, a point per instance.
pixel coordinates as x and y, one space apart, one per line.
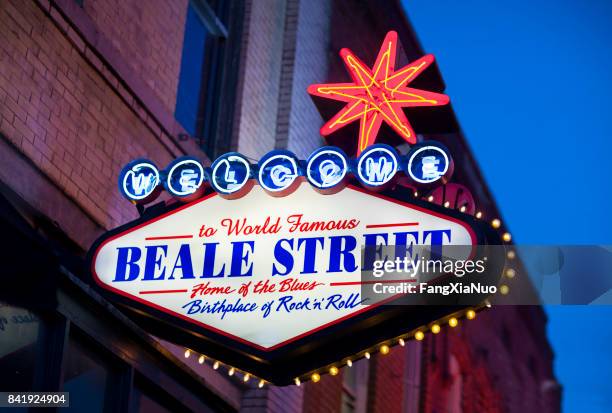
328 170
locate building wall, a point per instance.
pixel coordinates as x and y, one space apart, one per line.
148 36
287 48
76 105
310 66
386 383
262 68
65 109
324 396
494 363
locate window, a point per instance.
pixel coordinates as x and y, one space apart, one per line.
209 72
89 375
18 337
192 66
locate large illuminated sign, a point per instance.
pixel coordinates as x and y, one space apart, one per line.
250 272
261 265
271 277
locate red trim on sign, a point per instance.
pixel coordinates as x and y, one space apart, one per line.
162 291
411 280
229 335
169 237
399 224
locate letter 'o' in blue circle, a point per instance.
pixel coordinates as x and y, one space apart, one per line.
139 181
230 173
326 168
377 166
184 177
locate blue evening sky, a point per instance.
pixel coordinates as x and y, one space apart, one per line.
531 83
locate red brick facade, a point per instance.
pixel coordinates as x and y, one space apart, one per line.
148 36
66 110
323 396
386 382
484 365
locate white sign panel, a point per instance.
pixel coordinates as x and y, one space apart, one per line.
264 270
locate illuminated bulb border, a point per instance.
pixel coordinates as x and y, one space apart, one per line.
468 314
231 370
383 348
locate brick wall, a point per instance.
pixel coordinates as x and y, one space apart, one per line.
386 384
149 37
310 66
497 365
272 399
324 396
456 378
286 50
262 66
63 107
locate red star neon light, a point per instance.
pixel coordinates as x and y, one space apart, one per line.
377 94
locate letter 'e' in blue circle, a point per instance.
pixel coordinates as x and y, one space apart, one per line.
184 177
327 167
429 163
